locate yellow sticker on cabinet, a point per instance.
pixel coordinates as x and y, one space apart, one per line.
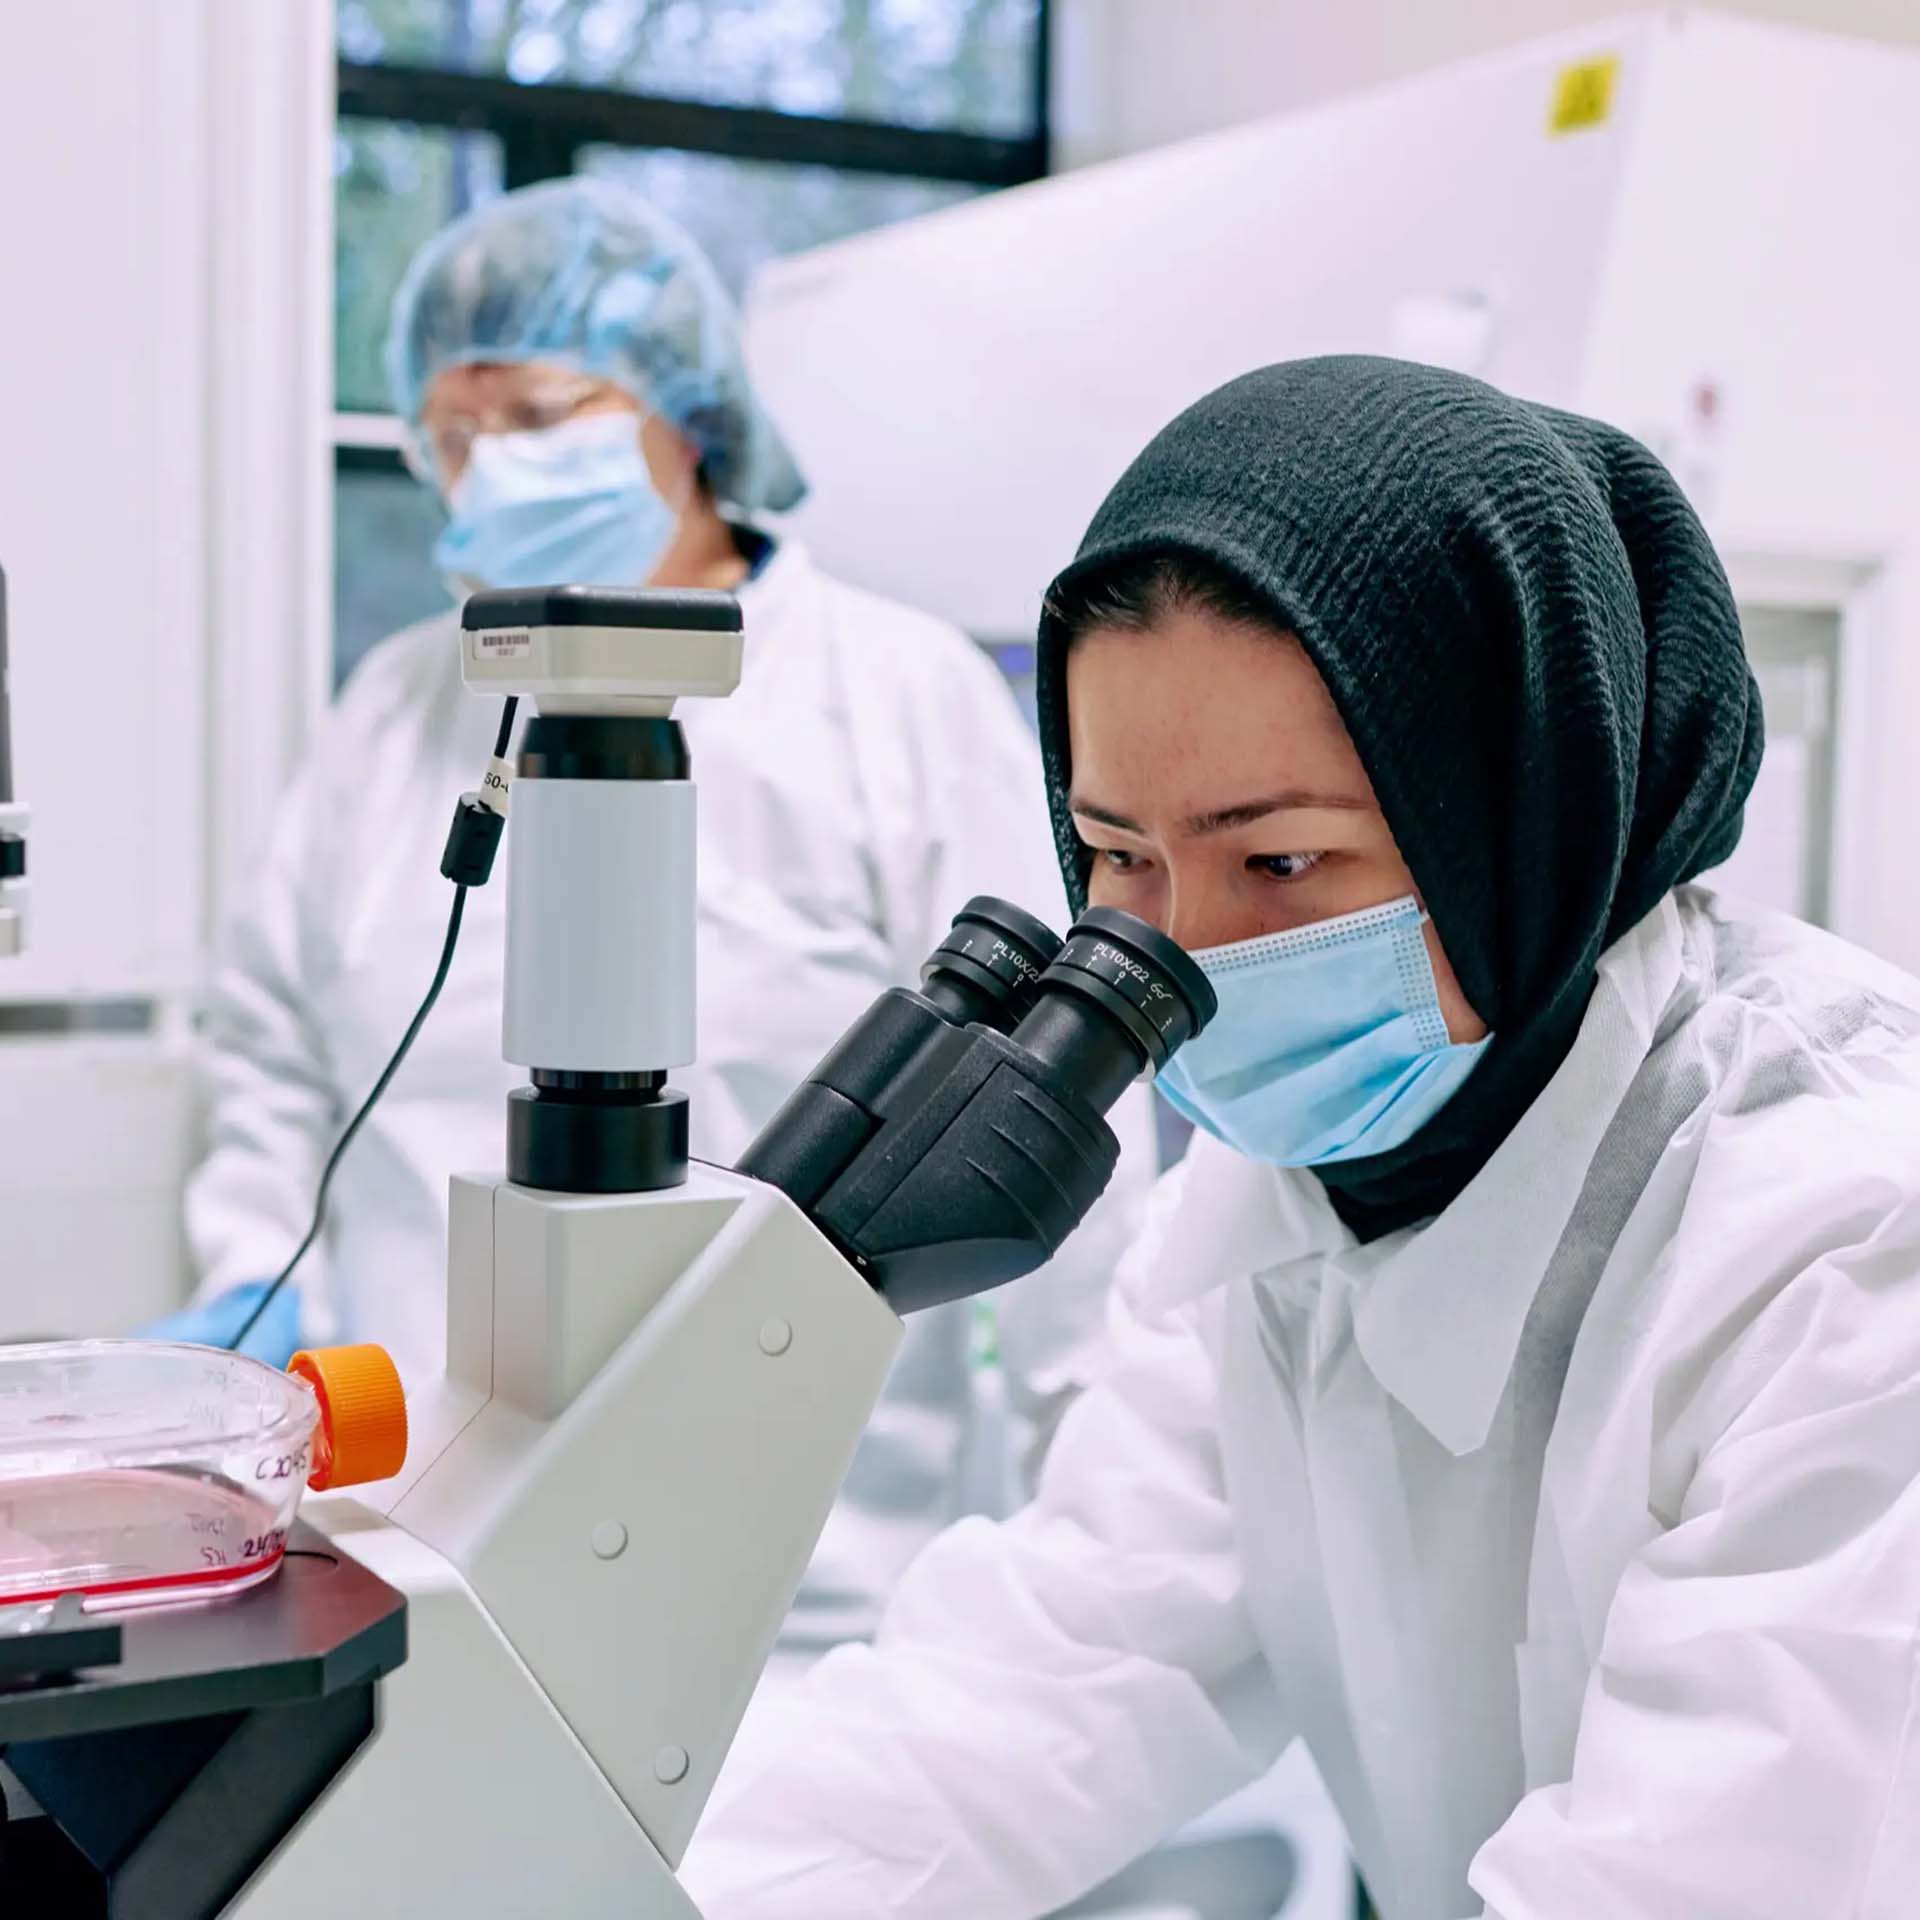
1583 95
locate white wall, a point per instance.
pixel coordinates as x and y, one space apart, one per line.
103 378
164 298
1131 74
165 290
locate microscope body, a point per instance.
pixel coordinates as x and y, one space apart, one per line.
658 1371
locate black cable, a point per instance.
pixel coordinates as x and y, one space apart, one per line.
353 1126
475 821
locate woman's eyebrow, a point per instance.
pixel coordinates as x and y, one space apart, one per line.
1222 819
1290 800
1093 810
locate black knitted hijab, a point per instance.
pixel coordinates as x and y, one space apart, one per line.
1532 644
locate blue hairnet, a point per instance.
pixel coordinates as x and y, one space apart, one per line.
587 275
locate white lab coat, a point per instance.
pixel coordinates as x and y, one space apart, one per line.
1577 1532
869 775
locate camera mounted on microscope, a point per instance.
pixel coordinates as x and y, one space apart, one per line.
600 888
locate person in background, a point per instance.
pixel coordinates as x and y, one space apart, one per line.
1515 1392
569 371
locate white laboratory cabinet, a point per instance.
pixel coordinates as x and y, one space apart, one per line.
1696 227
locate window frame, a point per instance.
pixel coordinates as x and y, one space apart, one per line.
543 127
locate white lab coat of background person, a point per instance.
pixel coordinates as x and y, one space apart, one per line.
1577 1532
871 773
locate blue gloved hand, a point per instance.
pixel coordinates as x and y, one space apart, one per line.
213 1323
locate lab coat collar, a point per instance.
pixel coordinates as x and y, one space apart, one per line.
774 585
1438 1310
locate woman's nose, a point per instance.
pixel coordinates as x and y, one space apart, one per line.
1200 915
1188 917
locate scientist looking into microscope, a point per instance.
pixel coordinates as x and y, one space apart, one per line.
1516 1389
570 371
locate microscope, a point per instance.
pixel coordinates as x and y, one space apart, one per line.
657 1370
13 817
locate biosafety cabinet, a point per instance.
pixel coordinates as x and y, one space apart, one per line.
1700 229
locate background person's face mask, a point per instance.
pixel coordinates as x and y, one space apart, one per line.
568 505
1329 1043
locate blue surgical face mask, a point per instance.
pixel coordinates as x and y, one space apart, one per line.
570 505
1329 1044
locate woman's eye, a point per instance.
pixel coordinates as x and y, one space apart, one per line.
1115 859
1284 866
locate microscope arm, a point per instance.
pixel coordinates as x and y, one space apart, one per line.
652 1402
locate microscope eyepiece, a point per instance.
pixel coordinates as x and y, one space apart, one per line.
956 1136
988 967
1119 998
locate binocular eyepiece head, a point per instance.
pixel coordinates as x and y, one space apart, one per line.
956 1136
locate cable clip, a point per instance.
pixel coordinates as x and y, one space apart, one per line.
472 841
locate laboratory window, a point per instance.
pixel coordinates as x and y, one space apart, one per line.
764 130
